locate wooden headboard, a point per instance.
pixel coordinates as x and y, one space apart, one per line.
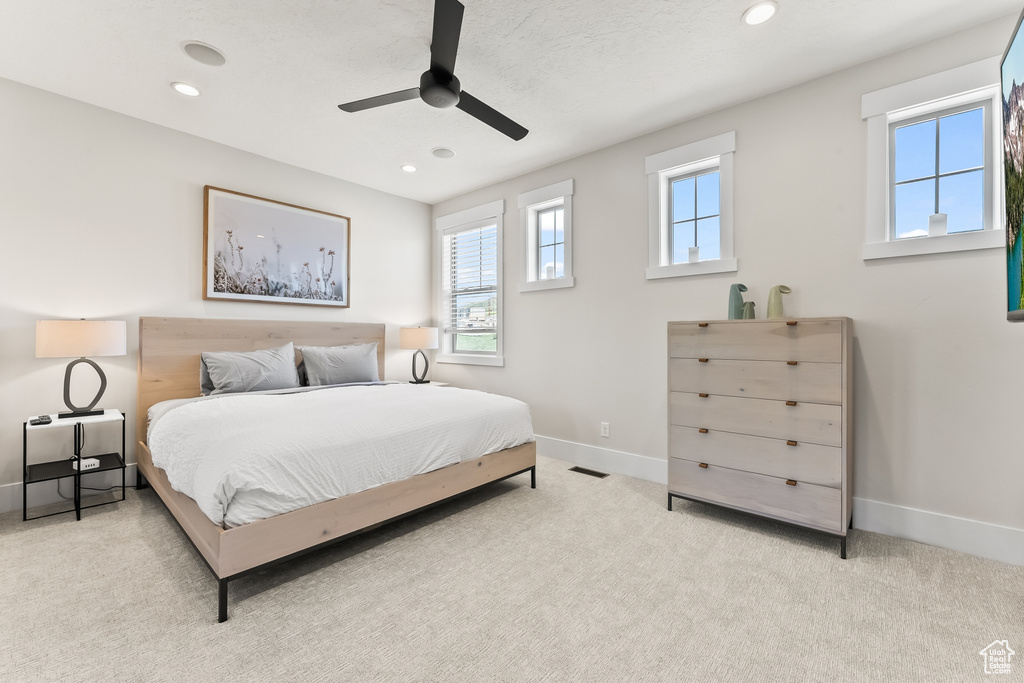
169 350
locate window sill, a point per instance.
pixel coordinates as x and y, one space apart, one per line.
469 359
918 246
728 265
537 285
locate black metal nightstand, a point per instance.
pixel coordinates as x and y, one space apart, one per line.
59 469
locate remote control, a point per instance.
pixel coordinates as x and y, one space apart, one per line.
41 420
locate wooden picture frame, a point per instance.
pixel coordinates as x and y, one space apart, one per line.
257 249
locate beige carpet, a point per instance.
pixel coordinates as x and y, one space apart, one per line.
582 579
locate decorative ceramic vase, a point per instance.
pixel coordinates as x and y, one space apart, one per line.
775 300
736 301
748 310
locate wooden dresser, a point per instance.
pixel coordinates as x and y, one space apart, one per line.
760 418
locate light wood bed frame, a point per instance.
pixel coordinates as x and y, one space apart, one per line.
169 350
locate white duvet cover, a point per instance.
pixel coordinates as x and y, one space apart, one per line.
248 457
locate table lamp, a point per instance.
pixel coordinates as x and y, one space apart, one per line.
78 339
418 338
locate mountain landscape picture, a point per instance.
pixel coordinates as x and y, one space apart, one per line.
1012 78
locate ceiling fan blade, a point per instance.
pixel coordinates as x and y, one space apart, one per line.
444 43
491 117
381 100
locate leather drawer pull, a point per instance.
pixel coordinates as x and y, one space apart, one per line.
792 362
790 482
703 430
791 443
703 395
702 360
702 465
702 324
791 322
790 403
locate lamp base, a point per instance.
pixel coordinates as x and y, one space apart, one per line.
419 378
80 413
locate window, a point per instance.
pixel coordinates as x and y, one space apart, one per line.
933 181
546 222
469 303
695 216
938 164
690 209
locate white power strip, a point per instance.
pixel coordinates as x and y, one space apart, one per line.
87 464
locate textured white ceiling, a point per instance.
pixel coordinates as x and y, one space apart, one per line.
580 74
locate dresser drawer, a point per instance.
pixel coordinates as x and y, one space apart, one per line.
807 340
818 506
805 462
812 422
812 382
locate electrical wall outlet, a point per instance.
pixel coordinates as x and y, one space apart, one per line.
604 429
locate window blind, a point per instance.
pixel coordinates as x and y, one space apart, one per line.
472 274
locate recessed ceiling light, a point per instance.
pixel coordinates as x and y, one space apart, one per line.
203 53
760 12
409 168
186 89
443 152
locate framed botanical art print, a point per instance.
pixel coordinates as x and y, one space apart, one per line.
259 249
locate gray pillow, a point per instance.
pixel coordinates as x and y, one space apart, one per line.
228 372
340 364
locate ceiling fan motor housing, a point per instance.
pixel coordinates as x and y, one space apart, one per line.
439 90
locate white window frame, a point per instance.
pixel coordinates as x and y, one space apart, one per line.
969 84
464 220
530 205
661 168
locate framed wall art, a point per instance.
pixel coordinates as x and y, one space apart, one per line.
259 249
1012 77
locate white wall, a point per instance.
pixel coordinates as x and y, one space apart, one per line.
101 217
938 369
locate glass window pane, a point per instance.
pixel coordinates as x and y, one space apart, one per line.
476 342
560 260
682 240
559 215
914 203
682 200
961 198
708 238
546 223
915 151
962 141
707 196
546 263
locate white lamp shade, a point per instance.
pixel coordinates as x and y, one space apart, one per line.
79 338
418 337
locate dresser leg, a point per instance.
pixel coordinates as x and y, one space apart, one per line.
842 547
670 502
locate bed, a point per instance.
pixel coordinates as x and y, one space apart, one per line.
169 360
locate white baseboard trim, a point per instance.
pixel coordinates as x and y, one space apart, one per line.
990 541
46 493
604 459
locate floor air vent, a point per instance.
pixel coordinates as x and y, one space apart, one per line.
592 473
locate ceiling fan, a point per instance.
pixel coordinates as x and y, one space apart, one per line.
438 85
